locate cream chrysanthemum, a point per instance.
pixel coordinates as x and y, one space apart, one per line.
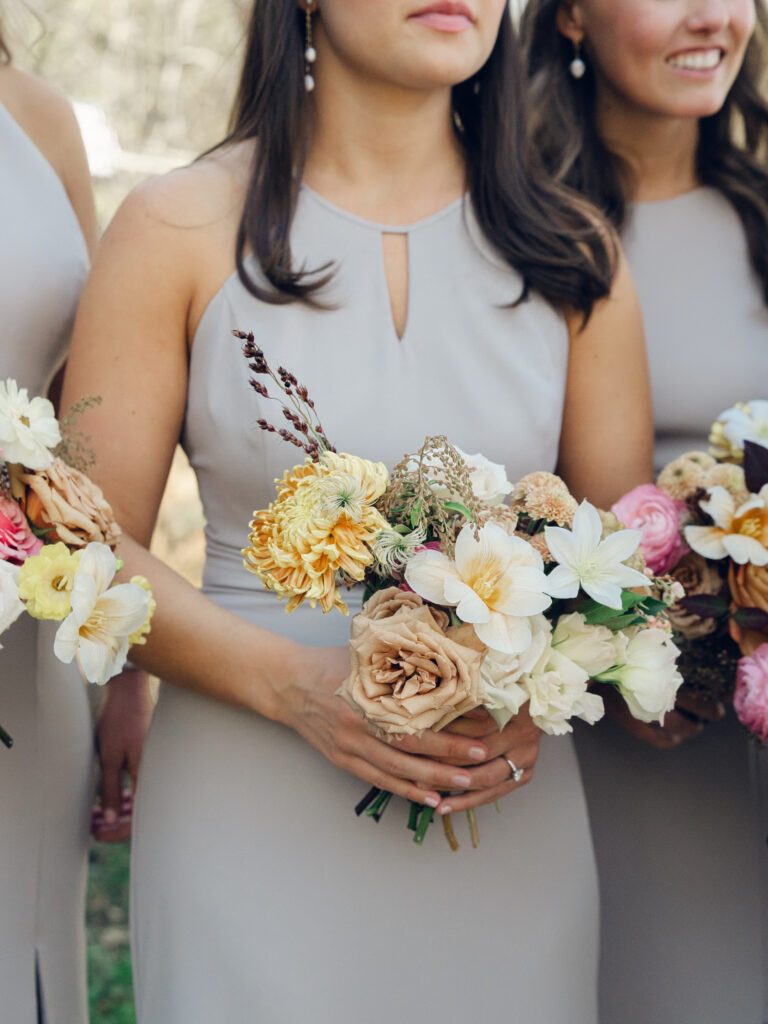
46 581
729 476
544 496
686 475
323 522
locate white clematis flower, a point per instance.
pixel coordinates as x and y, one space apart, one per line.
496 582
646 672
29 430
503 674
10 605
559 692
96 631
588 562
738 533
748 423
591 647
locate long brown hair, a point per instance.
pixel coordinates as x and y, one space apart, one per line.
558 246
732 154
5 52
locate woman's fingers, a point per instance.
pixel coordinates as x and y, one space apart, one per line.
464 801
445 746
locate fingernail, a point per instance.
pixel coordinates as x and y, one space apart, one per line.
461 779
478 753
430 801
445 809
109 816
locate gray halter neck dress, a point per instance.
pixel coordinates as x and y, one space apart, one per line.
679 835
256 893
45 779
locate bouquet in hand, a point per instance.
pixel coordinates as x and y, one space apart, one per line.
477 593
705 523
57 535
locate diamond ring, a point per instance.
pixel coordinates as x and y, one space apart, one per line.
516 773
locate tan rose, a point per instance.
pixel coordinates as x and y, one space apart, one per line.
408 675
66 503
385 603
697 576
749 589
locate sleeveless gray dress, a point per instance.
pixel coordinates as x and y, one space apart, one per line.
257 894
680 844
45 779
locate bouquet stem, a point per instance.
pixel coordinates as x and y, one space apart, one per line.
425 820
472 819
367 800
5 738
450 835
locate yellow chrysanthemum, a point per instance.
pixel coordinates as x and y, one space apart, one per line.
322 523
46 580
140 636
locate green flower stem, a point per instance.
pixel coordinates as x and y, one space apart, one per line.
413 817
425 820
379 804
382 807
369 797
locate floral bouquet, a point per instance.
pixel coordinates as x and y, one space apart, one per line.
460 611
706 522
57 535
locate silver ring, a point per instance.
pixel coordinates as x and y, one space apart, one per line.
517 773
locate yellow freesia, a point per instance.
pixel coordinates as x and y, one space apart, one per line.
46 581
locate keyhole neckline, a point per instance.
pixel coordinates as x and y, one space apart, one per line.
384 229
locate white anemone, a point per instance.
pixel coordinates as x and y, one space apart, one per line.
29 430
96 631
588 562
496 582
738 533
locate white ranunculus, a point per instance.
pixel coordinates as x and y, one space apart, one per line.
10 605
489 479
646 674
29 430
747 422
496 582
103 617
591 647
504 693
559 692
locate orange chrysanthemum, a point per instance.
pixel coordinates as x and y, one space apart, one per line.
322 523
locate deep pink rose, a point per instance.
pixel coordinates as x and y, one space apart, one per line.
751 697
658 518
17 542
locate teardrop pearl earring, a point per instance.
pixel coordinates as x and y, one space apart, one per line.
577 66
310 53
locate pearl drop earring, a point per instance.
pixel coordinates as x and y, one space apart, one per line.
310 53
577 66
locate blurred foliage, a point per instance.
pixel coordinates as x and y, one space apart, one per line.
109 959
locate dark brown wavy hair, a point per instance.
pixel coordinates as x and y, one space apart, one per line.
559 246
5 52
733 143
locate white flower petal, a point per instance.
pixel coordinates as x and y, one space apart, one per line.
706 541
743 549
469 606
562 582
719 504
427 572
619 546
587 525
604 592
562 544
66 639
505 634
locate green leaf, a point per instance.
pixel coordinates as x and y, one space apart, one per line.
416 514
456 506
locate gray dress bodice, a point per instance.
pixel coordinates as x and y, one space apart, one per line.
706 320
45 780
247 857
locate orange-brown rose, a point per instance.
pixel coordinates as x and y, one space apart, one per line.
749 589
408 675
65 502
697 577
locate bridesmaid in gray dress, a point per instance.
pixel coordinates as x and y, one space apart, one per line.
635 106
394 161
46 209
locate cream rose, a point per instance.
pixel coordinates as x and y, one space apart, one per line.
64 500
408 675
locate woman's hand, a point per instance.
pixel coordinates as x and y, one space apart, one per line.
120 731
692 712
417 768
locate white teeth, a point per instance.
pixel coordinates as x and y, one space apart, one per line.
703 60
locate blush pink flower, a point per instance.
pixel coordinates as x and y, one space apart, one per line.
17 542
751 697
658 517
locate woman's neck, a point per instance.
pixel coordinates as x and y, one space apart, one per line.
386 154
660 151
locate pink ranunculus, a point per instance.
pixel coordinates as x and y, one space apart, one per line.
658 518
751 697
17 542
